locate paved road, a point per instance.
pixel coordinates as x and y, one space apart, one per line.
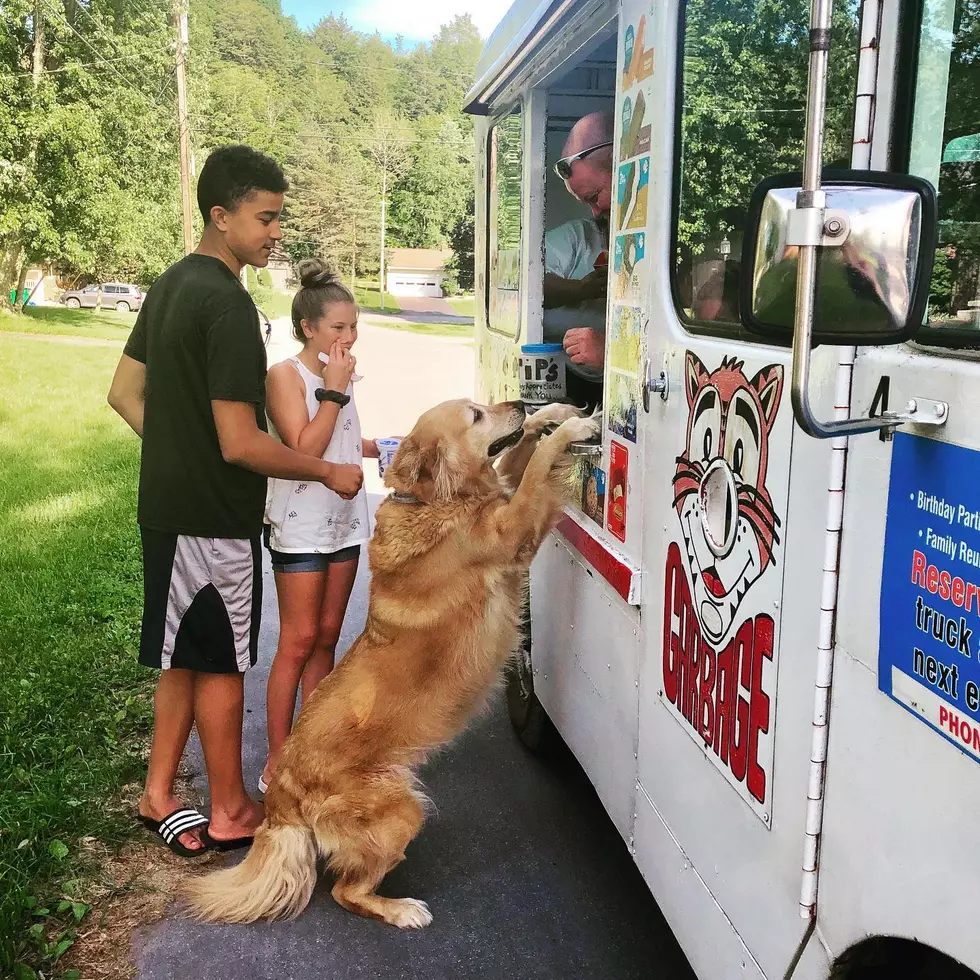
403 374
524 873
428 309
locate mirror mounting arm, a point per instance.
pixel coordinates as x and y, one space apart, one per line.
816 224
919 411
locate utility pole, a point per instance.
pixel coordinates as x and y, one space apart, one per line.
353 253
22 260
384 203
180 21
392 158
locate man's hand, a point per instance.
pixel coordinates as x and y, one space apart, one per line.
585 346
243 443
344 479
559 292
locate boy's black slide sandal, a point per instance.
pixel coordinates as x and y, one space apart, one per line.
236 843
173 825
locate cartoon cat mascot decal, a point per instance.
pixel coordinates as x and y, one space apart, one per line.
727 519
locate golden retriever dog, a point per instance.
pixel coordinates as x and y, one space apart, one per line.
451 547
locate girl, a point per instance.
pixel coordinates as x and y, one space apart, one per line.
314 535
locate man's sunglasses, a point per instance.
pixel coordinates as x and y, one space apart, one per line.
564 166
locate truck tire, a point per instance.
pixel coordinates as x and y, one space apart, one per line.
529 719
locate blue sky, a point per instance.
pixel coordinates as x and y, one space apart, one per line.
416 21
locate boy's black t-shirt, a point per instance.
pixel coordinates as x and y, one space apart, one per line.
198 335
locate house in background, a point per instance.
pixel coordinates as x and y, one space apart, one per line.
416 271
280 267
40 286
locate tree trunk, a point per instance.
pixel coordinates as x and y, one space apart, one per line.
37 72
21 279
38 66
13 263
9 264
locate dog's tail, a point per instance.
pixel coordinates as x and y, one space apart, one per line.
275 881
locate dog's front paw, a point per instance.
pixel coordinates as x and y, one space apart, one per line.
577 429
549 418
409 913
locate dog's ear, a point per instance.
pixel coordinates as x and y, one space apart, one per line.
403 472
432 472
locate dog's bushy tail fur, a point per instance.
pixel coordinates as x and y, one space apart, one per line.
275 881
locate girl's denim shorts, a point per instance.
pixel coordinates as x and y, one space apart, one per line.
310 562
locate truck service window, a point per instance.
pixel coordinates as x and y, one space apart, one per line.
504 216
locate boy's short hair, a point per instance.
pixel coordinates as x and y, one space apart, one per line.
231 173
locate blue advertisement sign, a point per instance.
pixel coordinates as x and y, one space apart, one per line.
929 634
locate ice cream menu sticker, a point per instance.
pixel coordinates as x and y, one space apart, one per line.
929 635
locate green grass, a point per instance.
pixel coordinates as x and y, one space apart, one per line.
106 325
276 304
272 302
463 305
369 300
74 705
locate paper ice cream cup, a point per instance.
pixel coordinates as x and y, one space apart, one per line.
386 453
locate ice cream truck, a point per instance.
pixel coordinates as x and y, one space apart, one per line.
758 625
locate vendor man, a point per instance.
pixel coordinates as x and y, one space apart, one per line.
575 258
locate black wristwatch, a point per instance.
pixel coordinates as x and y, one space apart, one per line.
329 395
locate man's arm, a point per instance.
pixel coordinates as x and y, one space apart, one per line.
244 444
127 393
563 249
572 292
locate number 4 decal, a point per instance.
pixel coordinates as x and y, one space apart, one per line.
880 405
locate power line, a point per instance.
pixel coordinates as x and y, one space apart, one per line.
357 70
98 26
111 66
84 64
166 82
397 68
363 141
143 8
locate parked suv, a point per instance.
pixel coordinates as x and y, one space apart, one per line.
119 295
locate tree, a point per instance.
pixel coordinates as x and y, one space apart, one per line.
387 148
79 130
435 78
462 264
89 175
429 198
745 83
325 211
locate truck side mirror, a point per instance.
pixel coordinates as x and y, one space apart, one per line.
876 236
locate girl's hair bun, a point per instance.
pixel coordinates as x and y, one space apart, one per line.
313 273
320 286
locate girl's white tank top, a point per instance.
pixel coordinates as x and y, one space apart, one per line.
307 518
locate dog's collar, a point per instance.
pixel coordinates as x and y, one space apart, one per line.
404 498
